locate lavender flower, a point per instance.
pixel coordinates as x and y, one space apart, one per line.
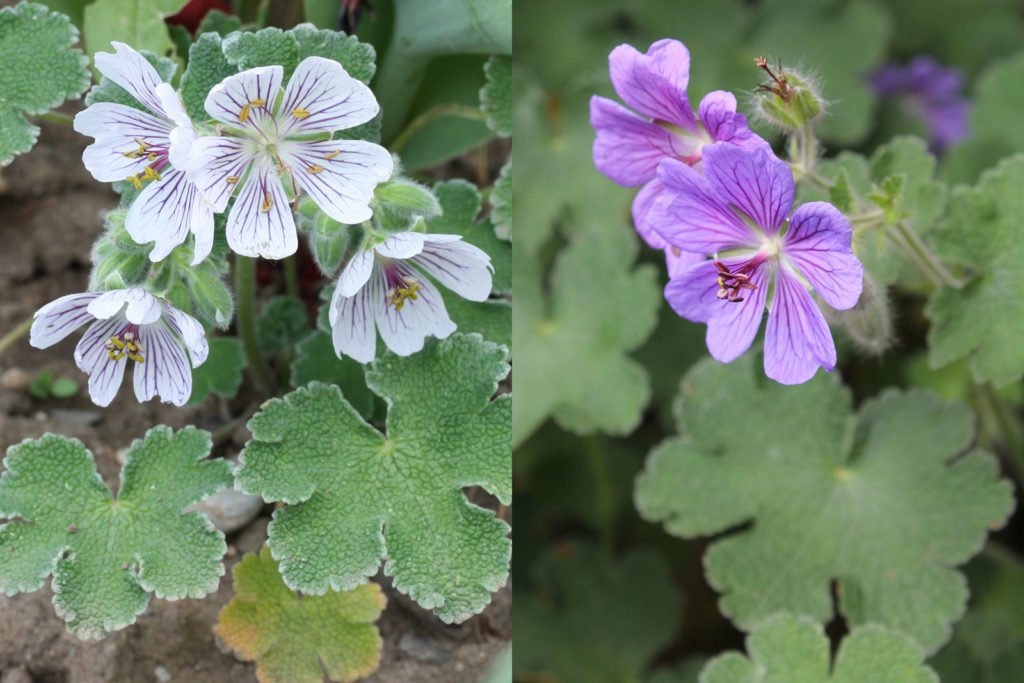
385 285
629 146
135 145
931 93
268 133
737 211
127 325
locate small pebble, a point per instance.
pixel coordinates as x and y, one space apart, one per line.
162 674
14 379
40 416
422 649
77 418
229 510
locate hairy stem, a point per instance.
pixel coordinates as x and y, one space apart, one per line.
1005 421
930 265
56 117
439 111
291 276
603 497
14 335
245 291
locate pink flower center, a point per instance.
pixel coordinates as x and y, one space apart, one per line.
155 154
731 283
126 343
401 286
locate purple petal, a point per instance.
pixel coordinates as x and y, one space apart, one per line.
243 101
732 328
321 96
693 292
339 175
717 112
628 148
131 71
57 319
261 221
459 266
164 212
165 370
642 205
117 129
91 356
797 340
655 84
219 165
818 243
404 331
352 321
754 181
691 215
678 261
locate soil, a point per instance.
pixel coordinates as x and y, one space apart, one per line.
50 214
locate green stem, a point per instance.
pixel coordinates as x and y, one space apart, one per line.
604 500
439 111
291 276
245 290
930 264
56 117
1006 422
17 333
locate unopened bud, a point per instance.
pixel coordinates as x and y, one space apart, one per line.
789 100
869 323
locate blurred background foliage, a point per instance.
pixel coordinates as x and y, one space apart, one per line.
600 356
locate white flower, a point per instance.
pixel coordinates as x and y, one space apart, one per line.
386 285
135 146
266 135
127 325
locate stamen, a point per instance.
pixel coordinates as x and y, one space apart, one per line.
141 151
243 115
300 113
150 174
134 179
124 345
331 155
780 84
397 296
314 169
231 179
268 201
731 284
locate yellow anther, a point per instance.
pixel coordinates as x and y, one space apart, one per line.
115 341
331 155
268 201
231 179
136 357
300 113
134 179
314 169
150 174
152 156
243 115
398 297
140 151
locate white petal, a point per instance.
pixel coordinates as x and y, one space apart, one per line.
352 322
401 245
261 221
143 307
235 100
404 331
57 319
203 229
172 105
356 273
117 129
459 266
131 71
342 185
218 164
91 356
180 152
164 371
190 331
163 213
325 98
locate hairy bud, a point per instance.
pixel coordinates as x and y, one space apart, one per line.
869 323
789 100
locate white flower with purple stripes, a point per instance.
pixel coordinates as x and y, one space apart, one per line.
127 325
135 145
386 286
268 133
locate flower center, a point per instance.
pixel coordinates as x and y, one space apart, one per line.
688 145
155 154
732 283
126 343
402 287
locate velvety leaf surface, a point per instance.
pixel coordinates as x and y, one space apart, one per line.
300 639
885 504
108 554
354 496
221 374
496 95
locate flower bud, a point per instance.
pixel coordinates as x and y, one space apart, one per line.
869 323
789 101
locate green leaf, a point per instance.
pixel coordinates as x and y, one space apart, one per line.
885 503
107 554
210 297
594 618
501 203
300 640
41 384
221 374
354 496
218 22
496 95
500 670
491 319
460 206
64 387
118 260
984 320
207 67
358 58
139 23
599 308
316 361
792 648
281 324
40 71
268 46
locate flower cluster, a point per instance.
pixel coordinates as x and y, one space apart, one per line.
719 202
266 142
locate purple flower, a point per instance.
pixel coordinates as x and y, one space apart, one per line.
127 325
629 146
931 93
737 211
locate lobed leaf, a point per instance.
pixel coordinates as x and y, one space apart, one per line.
354 496
315 360
207 66
107 554
139 23
281 324
884 504
221 374
496 95
300 640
